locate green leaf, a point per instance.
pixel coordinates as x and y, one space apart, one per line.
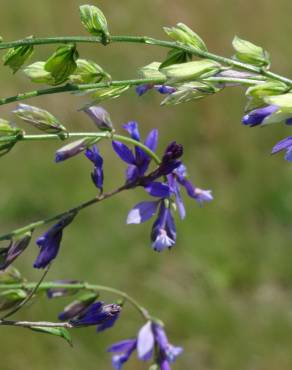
248 52
59 332
62 63
94 21
175 56
16 57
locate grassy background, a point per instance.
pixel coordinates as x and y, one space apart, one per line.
225 289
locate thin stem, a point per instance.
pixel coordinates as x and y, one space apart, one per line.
74 88
80 286
76 209
149 41
72 135
32 324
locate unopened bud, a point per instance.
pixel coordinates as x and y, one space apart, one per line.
74 148
78 306
94 21
62 63
39 118
185 35
15 248
87 72
250 53
16 57
190 70
151 71
100 117
10 298
36 73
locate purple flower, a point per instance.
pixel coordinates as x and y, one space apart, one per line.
77 307
97 173
152 335
267 115
162 89
151 343
49 242
179 178
103 316
259 115
163 234
100 117
285 144
72 149
142 89
138 161
15 248
122 351
168 163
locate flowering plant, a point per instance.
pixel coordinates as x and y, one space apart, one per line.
162 174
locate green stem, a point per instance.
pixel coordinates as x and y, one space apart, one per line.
79 286
74 88
90 202
73 135
34 225
149 41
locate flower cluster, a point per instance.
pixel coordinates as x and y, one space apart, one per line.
167 192
151 343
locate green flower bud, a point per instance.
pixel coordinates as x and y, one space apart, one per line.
7 130
151 71
94 21
39 118
267 88
190 91
11 297
111 92
154 367
87 72
62 63
247 52
16 57
185 35
191 70
284 102
10 276
36 73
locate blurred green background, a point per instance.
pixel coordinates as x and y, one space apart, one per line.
224 291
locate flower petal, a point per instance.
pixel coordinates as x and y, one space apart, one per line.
132 128
145 342
123 152
142 212
158 189
152 140
283 144
122 346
